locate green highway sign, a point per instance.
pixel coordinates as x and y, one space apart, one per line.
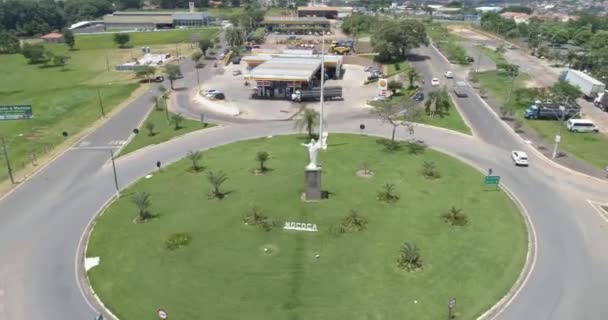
16 112
492 180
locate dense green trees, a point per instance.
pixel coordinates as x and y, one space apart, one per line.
393 39
8 43
28 18
121 39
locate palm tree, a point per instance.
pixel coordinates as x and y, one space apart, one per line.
410 258
455 217
429 170
412 75
217 179
195 157
500 49
176 120
150 127
354 221
388 193
438 101
143 203
308 121
262 157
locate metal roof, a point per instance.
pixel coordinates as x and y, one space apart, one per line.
286 68
160 19
191 15
295 20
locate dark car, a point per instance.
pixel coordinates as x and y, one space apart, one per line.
470 59
419 96
373 76
236 60
159 79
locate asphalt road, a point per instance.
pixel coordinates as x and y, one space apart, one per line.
42 221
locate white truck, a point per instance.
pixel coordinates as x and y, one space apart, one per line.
589 86
601 101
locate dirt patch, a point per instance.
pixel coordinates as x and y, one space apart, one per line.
365 174
532 83
467 33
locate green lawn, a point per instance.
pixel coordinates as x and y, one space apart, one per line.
138 39
392 69
225 273
447 43
64 100
451 120
590 147
163 131
498 58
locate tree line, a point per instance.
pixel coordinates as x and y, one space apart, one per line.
589 35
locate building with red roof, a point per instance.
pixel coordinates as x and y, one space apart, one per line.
52 37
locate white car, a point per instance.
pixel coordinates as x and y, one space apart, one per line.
435 82
449 74
208 92
379 98
520 158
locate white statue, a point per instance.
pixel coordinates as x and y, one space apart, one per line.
313 151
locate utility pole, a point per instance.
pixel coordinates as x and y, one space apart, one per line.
198 81
8 163
558 136
321 121
115 175
103 112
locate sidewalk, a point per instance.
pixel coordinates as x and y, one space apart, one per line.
546 148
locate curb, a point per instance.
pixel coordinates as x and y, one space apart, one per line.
79 137
82 279
95 303
538 153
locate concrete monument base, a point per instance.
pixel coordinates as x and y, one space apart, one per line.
312 184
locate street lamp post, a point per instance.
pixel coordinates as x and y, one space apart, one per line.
8 162
558 136
115 175
321 120
451 304
103 112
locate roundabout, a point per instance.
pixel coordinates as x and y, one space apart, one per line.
331 272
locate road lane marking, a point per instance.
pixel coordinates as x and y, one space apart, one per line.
597 207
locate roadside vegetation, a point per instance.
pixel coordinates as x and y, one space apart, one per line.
160 126
586 39
70 93
496 55
413 232
586 146
447 43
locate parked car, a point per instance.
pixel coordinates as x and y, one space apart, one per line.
236 60
435 82
581 125
419 96
237 72
217 96
449 74
520 158
159 79
470 59
379 98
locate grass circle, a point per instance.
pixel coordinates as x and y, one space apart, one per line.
224 272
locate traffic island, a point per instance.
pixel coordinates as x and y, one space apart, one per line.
261 253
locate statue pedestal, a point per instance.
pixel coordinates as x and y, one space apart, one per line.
312 184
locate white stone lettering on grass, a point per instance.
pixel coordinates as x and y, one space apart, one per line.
300 226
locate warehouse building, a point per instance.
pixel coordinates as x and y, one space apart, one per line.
278 75
154 20
296 25
325 12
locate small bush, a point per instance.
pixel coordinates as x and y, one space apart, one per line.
429 170
353 222
365 168
409 257
455 217
416 147
177 240
388 193
255 217
390 145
